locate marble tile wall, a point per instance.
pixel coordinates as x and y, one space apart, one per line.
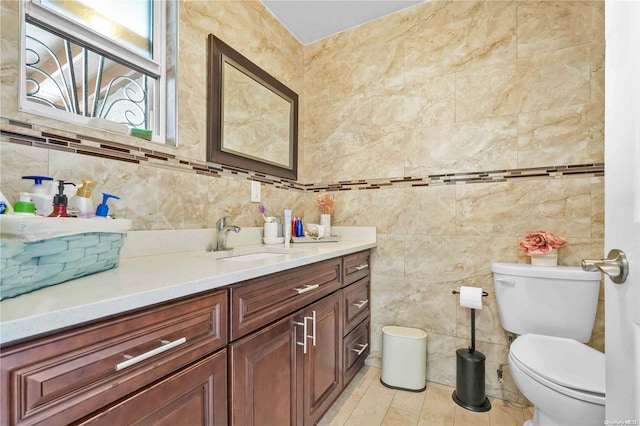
161 187
459 92
398 117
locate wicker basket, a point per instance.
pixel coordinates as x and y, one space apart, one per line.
41 252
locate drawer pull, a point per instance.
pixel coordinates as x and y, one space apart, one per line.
363 347
361 267
306 288
361 304
165 347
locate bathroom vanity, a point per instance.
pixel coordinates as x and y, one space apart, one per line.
267 340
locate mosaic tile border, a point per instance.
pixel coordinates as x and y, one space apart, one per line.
32 135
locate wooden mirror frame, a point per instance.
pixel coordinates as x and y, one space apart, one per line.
217 52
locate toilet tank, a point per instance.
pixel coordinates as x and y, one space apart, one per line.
554 301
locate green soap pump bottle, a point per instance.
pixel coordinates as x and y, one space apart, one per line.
25 206
60 200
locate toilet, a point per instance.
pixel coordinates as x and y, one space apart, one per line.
552 310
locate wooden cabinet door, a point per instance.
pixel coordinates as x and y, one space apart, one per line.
265 376
323 360
194 396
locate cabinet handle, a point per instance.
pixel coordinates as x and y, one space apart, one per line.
361 267
166 345
304 331
313 318
363 347
304 334
360 304
306 288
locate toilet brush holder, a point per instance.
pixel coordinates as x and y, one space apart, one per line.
470 374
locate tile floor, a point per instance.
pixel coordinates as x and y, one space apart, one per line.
366 402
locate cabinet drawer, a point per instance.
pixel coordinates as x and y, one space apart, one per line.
356 266
356 350
64 377
356 304
258 302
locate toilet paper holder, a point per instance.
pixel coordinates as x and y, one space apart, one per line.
472 348
484 293
470 387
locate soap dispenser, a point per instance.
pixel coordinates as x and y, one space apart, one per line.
60 200
103 208
81 202
41 195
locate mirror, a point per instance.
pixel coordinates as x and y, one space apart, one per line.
252 118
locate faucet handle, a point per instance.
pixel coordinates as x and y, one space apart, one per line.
221 223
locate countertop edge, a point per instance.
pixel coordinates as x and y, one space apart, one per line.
17 330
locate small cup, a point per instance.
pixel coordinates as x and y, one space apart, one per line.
320 229
271 230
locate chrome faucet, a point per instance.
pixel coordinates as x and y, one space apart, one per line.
223 231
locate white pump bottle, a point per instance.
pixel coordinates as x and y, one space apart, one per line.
81 202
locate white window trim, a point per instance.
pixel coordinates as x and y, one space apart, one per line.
34 11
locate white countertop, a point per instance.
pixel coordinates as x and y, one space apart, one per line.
146 280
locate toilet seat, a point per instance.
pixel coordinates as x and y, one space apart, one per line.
564 365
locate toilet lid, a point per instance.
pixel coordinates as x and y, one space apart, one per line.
565 362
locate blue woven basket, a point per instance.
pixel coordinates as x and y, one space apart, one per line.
30 266
39 252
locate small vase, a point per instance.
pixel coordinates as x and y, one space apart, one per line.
549 259
325 220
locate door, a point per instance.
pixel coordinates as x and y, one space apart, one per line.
323 360
622 208
194 396
264 375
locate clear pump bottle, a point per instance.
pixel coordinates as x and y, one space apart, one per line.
81 202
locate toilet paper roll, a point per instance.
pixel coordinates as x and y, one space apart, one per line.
471 297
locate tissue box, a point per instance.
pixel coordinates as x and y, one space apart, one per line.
41 252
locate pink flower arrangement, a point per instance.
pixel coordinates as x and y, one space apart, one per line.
541 242
326 203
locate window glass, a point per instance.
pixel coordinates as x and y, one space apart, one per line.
128 22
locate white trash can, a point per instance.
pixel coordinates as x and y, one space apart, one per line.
404 358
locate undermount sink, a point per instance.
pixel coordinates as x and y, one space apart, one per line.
252 257
251 254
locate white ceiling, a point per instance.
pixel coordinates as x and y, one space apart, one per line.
312 20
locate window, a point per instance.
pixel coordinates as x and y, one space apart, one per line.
108 59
